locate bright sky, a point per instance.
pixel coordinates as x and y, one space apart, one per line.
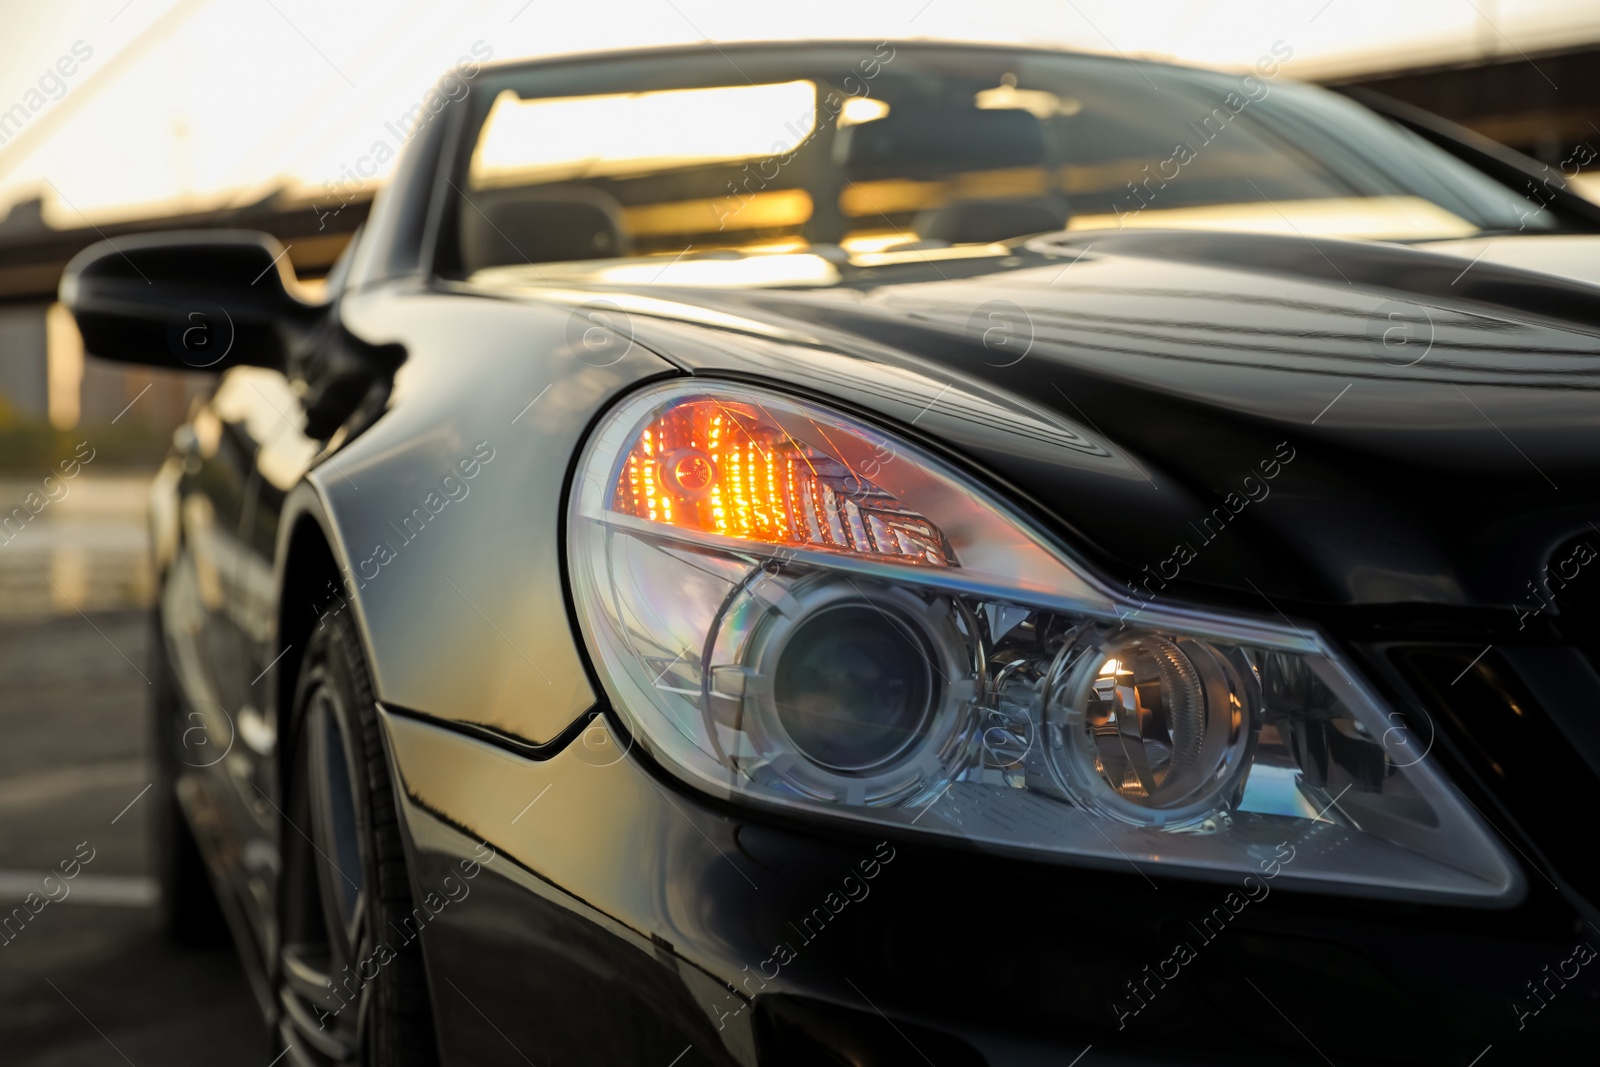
191 103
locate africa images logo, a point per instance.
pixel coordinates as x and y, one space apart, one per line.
51 85
449 89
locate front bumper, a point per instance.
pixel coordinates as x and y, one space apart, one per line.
625 920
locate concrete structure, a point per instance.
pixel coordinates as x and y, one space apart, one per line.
42 367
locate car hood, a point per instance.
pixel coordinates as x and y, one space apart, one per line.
1319 422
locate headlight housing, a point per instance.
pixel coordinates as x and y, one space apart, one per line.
787 606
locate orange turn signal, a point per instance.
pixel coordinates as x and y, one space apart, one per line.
729 469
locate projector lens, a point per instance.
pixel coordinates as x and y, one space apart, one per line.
854 687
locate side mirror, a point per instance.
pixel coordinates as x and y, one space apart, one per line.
188 300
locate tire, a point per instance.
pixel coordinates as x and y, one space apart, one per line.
344 884
188 910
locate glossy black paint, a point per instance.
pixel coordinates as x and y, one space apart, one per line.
1411 501
1447 483
992 959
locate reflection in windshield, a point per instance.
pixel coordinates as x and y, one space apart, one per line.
549 140
857 154
1350 217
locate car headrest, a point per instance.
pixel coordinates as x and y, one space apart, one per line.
982 221
540 224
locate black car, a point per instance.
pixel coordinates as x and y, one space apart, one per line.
881 553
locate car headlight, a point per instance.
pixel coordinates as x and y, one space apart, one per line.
790 607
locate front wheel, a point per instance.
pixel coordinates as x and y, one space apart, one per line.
351 988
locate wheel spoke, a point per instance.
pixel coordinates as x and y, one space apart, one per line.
363 1014
309 981
338 1044
325 907
339 861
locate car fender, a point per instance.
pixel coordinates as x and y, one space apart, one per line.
444 518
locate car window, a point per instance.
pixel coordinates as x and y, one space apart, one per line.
849 152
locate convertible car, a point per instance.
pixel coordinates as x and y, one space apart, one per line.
882 553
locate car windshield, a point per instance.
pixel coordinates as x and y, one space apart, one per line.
791 162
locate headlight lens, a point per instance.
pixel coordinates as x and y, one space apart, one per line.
1151 729
791 607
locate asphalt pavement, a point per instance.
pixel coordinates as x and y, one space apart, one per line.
86 979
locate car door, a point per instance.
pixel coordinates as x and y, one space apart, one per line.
245 450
